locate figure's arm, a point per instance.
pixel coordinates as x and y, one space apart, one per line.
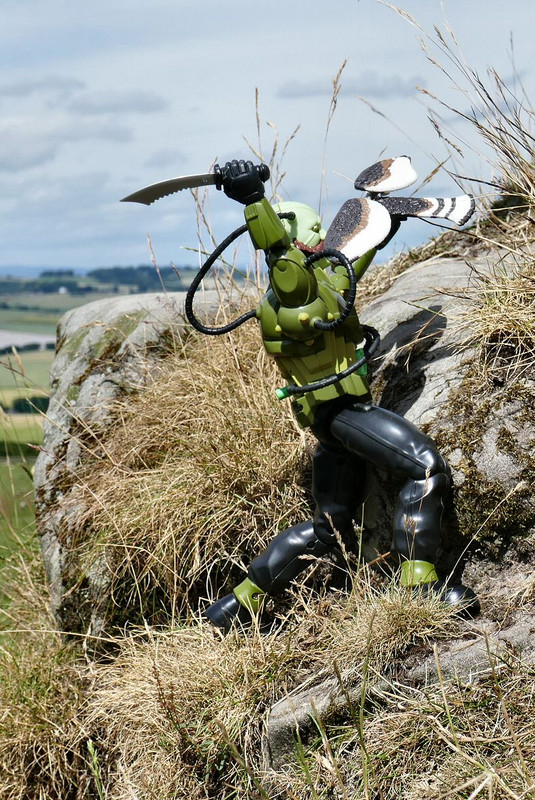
244 182
312 308
292 281
340 278
265 228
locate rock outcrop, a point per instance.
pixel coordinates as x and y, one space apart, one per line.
107 349
104 350
424 371
427 371
469 659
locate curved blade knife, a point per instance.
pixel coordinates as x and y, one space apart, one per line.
155 191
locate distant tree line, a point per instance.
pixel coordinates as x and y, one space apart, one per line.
143 278
57 273
46 285
30 405
25 348
36 404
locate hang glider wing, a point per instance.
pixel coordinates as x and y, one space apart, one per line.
360 225
388 175
456 209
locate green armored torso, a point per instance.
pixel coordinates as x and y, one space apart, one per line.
298 295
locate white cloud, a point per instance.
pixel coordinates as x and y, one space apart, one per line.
367 84
30 142
166 157
137 91
60 87
117 102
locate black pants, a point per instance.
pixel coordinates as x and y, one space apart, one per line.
352 435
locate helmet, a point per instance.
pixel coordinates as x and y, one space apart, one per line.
306 227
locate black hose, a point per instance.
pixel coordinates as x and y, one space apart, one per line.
372 338
210 261
351 292
371 335
188 303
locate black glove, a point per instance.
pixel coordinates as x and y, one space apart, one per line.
242 180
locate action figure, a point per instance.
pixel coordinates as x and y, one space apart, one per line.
309 325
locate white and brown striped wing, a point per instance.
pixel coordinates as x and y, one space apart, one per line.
456 209
360 225
388 175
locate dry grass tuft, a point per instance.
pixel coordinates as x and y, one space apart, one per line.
174 708
199 700
501 314
381 625
460 740
179 713
200 471
500 318
42 683
502 117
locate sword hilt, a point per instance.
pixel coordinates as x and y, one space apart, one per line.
220 173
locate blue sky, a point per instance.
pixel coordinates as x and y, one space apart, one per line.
101 98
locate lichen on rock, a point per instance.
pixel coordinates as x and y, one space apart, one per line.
104 351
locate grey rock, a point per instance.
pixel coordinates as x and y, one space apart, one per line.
104 350
419 366
296 713
425 356
467 660
420 357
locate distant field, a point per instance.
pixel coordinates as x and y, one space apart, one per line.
17 519
20 434
40 319
52 302
34 380
39 322
35 367
42 311
22 428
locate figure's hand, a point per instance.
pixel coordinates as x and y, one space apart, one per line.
242 181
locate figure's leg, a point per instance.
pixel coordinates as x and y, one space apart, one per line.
338 478
334 489
393 443
269 573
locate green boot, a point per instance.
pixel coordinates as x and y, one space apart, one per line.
240 606
422 577
414 573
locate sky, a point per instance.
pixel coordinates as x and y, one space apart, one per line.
102 97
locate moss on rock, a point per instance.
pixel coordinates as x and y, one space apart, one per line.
489 439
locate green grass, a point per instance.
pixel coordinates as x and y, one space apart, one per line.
18 432
52 302
24 375
17 519
36 368
21 430
39 322
39 313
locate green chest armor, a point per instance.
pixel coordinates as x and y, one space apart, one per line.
298 296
